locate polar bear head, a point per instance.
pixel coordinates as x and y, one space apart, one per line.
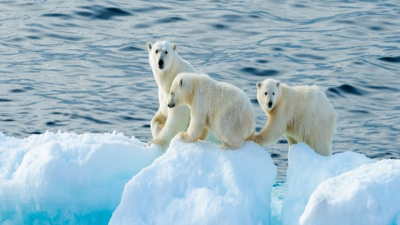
161 54
181 89
269 93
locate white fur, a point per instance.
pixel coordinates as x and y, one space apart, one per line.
166 123
302 114
222 108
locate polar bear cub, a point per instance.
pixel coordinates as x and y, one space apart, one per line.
302 114
166 64
221 108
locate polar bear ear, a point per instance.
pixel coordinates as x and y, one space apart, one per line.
174 46
279 83
258 85
149 46
181 83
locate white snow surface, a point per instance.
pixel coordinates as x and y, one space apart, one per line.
199 183
306 171
66 178
368 195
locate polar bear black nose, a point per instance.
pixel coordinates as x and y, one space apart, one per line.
269 104
161 63
171 105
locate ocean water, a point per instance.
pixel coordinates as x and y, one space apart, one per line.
82 66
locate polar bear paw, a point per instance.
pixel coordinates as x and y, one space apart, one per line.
158 142
258 139
183 136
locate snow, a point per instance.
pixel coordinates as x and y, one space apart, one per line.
367 195
56 178
67 178
199 183
306 171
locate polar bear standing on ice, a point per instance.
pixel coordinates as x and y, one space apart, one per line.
166 64
302 114
222 108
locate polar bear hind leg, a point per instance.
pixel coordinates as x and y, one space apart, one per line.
204 134
232 145
291 140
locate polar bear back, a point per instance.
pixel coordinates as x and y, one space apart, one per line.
226 106
310 116
304 101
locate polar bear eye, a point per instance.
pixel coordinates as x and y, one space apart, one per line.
166 52
273 93
172 94
266 93
156 51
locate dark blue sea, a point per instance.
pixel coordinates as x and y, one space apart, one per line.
82 66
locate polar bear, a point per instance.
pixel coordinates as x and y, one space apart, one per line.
302 114
166 64
221 108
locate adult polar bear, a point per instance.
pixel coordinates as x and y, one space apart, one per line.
166 64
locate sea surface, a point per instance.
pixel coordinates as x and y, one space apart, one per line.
82 66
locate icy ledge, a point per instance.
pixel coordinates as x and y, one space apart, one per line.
201 184
66 178
369 194
345 188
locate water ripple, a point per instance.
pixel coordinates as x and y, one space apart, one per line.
173 19
81 66
391 59
102 13
259 72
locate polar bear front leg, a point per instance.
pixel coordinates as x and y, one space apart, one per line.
177 120
195 129
272 132
157 123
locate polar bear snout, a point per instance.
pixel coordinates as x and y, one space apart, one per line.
161 64
269 104
171 105
171 101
